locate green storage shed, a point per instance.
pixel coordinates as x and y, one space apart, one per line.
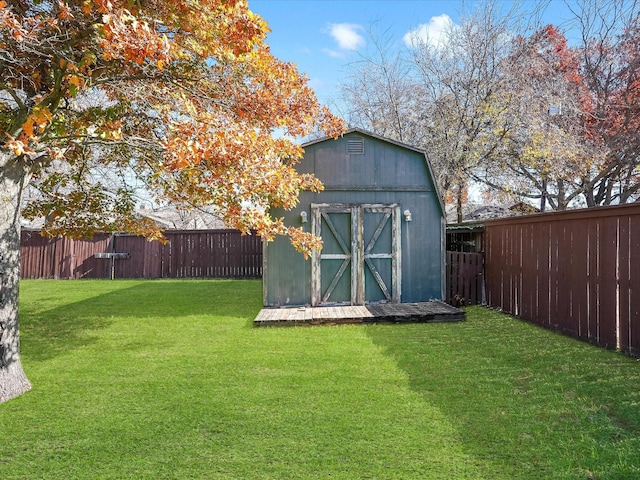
381 220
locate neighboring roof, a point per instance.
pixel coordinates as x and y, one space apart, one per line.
474 212
170 218
167 218
362 131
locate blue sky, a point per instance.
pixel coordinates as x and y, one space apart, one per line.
323 36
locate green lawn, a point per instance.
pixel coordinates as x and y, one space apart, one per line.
169 380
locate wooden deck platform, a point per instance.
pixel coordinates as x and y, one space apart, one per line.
382 313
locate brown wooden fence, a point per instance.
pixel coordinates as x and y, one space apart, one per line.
188 254
465 278
577 272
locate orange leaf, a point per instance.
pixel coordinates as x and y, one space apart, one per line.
27 127
75 80
41 116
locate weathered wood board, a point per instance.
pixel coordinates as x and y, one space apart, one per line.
435 311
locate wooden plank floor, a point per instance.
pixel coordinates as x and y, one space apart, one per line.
436 311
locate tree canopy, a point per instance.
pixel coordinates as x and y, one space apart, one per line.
182 96
99 98
523 109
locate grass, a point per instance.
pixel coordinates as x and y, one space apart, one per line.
169 380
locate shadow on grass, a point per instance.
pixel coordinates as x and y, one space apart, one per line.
534 403
467 371
47 333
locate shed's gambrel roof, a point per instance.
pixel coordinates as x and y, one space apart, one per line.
364 132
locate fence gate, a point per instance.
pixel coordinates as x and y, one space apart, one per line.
360 259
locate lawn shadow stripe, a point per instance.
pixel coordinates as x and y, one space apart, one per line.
49 333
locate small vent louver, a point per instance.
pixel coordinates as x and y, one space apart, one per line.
355 146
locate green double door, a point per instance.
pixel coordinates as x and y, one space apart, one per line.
360 259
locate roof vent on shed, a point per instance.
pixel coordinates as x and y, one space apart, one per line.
355 145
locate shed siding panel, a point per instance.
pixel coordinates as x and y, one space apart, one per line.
382 165
287 275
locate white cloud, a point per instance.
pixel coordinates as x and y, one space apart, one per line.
346 35
334 53
433 33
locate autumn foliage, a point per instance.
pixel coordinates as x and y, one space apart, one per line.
99 97
580 104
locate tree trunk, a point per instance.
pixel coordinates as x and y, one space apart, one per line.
543 196
13 179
